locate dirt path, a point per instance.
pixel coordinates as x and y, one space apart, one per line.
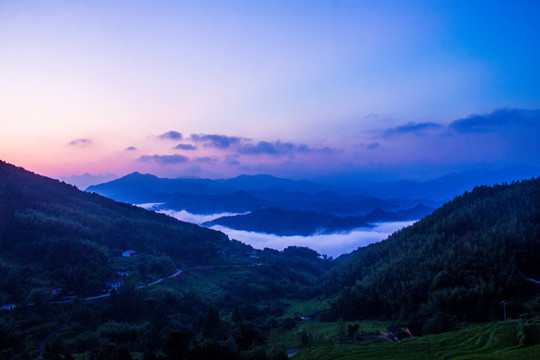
43 343
92 298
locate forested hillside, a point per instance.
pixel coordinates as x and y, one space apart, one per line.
71 235
457 264
61 249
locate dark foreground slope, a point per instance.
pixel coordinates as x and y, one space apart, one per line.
72 235
59 247
458 264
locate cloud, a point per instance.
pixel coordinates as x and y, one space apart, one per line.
495 120
277 148
411 128
272 148
80 142
196 218
329 150
170 135
373 146
331 244
205 159
131 148
265 147
165 159
185 147
217 141
232 160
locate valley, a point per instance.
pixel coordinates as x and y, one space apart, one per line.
230 300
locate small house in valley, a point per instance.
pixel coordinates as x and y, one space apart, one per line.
123 271
114 285
129 253
54 290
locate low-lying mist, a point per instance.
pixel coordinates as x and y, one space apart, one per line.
195 218
330 244
334 244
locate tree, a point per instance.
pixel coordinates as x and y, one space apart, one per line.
288 323
211 323
177 345
304 337
236 315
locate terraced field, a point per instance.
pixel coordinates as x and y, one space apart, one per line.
304 308
200 285
322 333
211 282
511 340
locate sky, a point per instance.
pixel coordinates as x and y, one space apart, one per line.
299 89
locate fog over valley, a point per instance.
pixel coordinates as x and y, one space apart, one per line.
195 218
334 245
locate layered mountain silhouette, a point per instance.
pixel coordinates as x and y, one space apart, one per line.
299 207
294 222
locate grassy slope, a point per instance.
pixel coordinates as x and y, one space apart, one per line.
496 340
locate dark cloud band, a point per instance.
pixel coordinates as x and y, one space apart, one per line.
170 135
412 128
185 147
80 142
165 159
217 141
495 120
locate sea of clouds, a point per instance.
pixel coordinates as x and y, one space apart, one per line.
334 244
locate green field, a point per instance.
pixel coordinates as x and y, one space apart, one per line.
304 308
322 333
511 340
212 283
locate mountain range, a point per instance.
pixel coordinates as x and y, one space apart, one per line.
268 204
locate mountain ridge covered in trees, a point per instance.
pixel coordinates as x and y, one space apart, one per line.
457 264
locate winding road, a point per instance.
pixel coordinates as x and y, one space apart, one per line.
97 297
44 342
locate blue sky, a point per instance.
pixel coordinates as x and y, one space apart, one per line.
291 88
